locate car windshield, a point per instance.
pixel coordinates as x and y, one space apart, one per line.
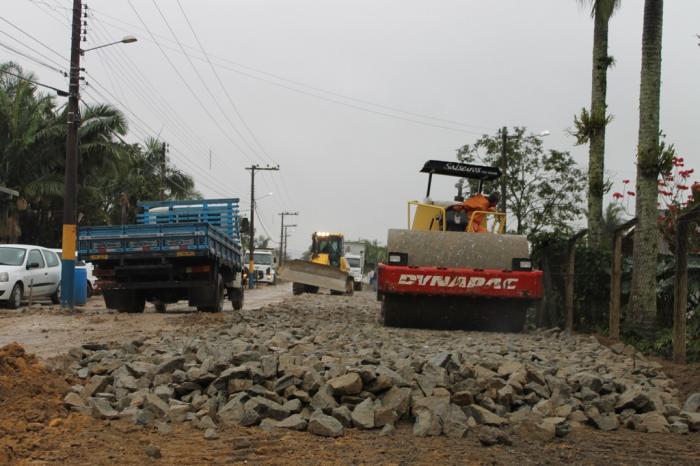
12 256
354 262
263 259
260 259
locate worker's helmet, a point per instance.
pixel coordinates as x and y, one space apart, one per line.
494 198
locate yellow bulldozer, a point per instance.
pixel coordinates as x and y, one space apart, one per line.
328 267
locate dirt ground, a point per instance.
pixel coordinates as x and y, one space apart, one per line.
35 428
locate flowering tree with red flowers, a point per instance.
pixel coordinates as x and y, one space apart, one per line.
677 194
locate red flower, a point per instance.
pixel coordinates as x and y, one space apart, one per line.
630 193
618 195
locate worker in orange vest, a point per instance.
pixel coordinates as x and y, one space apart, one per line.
479 202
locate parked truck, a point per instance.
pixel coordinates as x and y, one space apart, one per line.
178 250
265 261
356 263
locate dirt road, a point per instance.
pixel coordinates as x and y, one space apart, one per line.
47 331
36 427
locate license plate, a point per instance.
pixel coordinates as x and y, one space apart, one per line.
97 257
184 253
179 242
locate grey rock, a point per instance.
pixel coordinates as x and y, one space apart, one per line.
363 415
101 409
427 424
323 400
387 430
152 451
97 384
692 404
347 384
484 416
605 422
652 422
265 408
455 423
343 414
211 434
73 400
324 425
489 436
169 365
693 420
633 398
293 422
155 404
679 427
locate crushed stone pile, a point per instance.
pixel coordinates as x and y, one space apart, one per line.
322 364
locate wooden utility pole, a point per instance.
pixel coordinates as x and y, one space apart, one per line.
70 186
251 241
570 280
504 168
616 278
163 164
282 254
680 286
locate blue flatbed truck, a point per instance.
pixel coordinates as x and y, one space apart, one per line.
178 250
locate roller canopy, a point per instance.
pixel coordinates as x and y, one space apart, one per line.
462 170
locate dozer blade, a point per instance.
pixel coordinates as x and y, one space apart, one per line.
309 273
458 249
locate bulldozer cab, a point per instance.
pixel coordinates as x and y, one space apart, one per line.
450 215
327 249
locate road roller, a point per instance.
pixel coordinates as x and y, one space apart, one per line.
446 272
328 267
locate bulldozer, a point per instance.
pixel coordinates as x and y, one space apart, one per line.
442 272
328 267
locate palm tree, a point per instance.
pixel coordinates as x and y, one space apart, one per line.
591 125
643 292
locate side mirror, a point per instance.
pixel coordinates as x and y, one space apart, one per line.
245 224
32 265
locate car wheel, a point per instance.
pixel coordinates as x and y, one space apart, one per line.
56 296
15 299
89 289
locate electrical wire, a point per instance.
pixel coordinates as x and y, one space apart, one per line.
29 57
58 91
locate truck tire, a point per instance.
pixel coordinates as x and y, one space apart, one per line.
136 305
298 288
15 299
128 301
350 287
161 307
220 296
358 286
236 296
56 296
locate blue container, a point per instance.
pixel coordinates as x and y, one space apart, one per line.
80 286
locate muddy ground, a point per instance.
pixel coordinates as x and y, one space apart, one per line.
35 427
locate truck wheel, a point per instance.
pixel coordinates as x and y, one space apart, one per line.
15 299
311 289
358 286
236 296
161 307
220 296
298 288
390 313
136 305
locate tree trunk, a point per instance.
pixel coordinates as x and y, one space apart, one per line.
596 150
642 305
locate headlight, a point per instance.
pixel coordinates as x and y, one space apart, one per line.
4 277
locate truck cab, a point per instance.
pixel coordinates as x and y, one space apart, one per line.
265 262
355 262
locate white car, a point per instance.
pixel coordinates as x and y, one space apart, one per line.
25 270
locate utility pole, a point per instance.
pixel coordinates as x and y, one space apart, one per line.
70 187
286 236
163 164
251 242
282 214
504 168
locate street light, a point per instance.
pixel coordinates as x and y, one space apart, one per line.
125 40
69 235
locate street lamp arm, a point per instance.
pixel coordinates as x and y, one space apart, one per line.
125 40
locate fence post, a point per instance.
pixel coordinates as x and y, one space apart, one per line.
680 286
570 279
616 278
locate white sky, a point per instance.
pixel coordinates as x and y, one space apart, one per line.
345 164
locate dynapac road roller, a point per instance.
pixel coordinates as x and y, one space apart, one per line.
441 273
328 267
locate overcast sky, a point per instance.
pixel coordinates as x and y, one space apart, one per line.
351 97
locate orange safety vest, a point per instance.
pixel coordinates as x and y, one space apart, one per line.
474 203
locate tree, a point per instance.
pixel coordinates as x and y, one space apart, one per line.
590 126
642 304
543 187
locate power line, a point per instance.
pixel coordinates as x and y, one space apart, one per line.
58 91
34 39
29 57
189 88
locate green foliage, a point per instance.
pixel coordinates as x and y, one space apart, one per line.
586 125
543 187
111 173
